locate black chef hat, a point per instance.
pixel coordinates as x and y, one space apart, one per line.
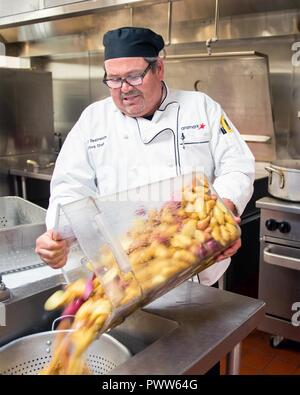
127 42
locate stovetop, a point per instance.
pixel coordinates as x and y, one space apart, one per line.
278 205
279 220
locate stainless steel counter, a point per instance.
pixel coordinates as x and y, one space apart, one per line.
17 167
43 174
32 165
46 174
212 323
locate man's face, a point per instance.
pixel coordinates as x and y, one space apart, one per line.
135 101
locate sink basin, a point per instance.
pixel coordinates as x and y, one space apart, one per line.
25 315
24 311
141 329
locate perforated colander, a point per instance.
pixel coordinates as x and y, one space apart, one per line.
30 354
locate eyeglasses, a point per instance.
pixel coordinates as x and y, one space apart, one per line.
135 80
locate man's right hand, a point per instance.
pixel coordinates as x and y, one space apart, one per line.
52 249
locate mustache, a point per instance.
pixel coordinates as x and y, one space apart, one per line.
134 92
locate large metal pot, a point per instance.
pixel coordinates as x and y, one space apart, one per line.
284 179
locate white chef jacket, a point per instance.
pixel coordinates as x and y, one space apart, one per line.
107 151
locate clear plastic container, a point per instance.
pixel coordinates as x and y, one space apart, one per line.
143 242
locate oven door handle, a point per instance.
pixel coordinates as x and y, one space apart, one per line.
280 260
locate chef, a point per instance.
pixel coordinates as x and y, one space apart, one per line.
144 132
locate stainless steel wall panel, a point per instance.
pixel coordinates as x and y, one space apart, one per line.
69 10
98 90
294 125
266 26
240 85
183 74
70 88
154 17
8 7
26 111
55 3
188 24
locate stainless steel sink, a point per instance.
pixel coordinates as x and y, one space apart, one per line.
141 329
25 315
24 311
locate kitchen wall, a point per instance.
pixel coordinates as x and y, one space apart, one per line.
71 49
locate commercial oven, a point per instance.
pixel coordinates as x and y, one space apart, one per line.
279 275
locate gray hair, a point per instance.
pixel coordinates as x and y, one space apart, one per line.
152 61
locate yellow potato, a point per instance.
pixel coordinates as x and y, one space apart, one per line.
181 241
229 219
189 228
161 251
184 256
190 208
222 206
219 215
210 205
225 233
56 300
199 206
189 196
203 224
232 230
213 222
200 236
216 234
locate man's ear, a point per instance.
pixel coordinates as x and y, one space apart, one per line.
160 69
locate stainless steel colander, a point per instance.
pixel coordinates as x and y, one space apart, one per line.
29 354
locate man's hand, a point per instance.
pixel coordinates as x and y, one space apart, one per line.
235 246
52 249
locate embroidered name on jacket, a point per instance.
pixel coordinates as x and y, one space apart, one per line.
97 142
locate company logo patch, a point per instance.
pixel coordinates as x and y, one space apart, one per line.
197 126
224 126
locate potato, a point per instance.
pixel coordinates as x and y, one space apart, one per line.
216 234
200 236
181 241
189 196
189 228
184 256
232 230
229 219
203 224
219 215
210 205
56 300
225 233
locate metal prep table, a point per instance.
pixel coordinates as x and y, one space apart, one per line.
211 324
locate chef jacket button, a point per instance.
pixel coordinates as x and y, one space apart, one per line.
125 136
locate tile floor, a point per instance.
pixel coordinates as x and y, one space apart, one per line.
258 357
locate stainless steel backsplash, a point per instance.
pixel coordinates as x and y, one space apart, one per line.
71 49
26 111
